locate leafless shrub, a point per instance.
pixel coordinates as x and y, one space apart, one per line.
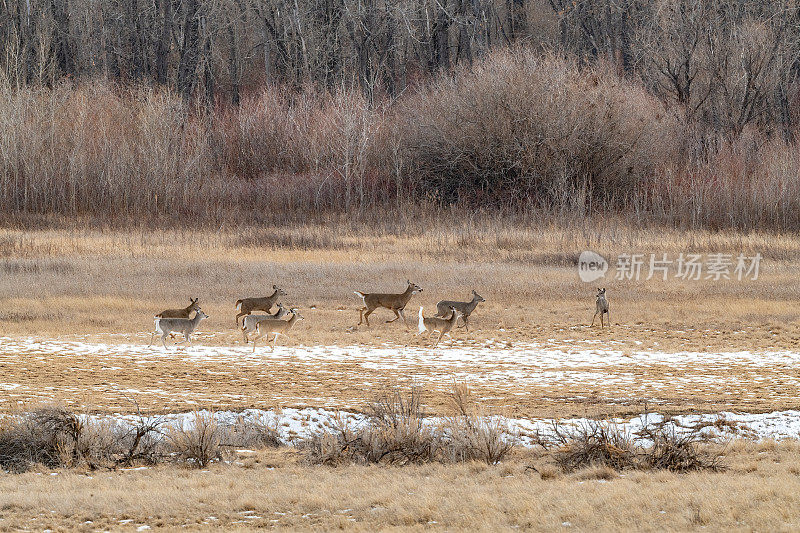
397 433
593 443
197 440
677 452
251 433
519 127
394 433
341 444
656 447
474 435
47 436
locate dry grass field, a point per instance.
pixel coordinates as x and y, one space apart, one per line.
274 490
76 311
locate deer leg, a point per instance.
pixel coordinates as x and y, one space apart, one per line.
595 316
396 316
274 339
255 339
188 338
402 314
437 340
241 313
244 334
465 318
164 340
366 315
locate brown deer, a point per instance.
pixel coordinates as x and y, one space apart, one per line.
434 323
465 308
245 306
393 302
601 308
180 313
250 321
275 326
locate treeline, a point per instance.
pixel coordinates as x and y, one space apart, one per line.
682 112
517 133
726 63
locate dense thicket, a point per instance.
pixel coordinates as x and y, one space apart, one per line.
675 111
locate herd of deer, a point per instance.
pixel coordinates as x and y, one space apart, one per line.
172 321
273 325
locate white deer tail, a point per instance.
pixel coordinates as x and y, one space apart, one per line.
359 294
239 306
157 324
422 327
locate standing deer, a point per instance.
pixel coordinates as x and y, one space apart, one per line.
434 323
245 306
393 302
465 308
272 326
601 308
250 321
164 326
180 313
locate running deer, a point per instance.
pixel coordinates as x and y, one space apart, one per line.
245 306
394 302
272 326
180 313
249 322
465 308
165 326
435 323
601 308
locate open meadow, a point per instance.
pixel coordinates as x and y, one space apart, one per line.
76 317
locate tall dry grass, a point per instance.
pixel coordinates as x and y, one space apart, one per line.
518 134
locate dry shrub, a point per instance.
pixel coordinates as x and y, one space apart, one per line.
49 436
247 432
473 435
197 440
593 443
520 127
677 452
396 433
656 447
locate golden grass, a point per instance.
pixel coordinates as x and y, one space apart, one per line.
105 286
759 491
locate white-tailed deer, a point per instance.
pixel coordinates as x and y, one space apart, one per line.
272 326
164 326
245 306
249 322
601 308
180 313
465 308
394 302
435 323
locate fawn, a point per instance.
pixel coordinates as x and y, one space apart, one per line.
435 323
